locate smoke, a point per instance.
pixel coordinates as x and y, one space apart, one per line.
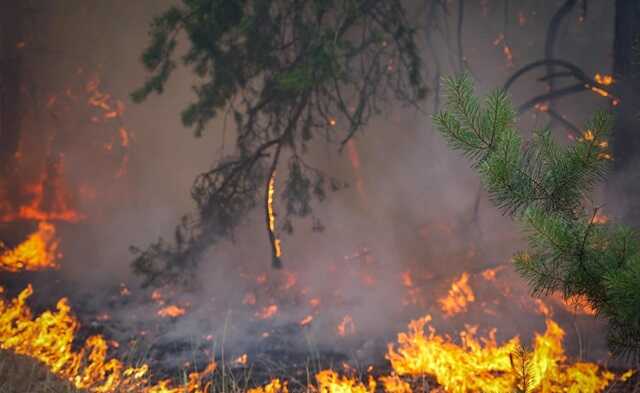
413 205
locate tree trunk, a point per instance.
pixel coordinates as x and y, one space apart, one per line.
625 186
10 37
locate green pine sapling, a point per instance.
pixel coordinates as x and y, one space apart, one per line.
547 188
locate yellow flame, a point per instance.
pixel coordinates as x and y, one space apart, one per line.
49 338
275 386
480 364
604 79
38 252
330 382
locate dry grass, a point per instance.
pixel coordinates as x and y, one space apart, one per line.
21 374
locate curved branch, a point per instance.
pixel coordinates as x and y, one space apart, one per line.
552 35
459 35
573 89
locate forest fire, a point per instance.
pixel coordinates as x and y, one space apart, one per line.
334 128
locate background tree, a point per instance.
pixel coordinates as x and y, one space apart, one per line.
547 188
289 72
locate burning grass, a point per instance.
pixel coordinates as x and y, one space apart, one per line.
475 364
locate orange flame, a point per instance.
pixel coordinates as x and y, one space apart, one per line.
38 252
346 326
306 320
459 296
49 201
272 215
267 312
275 386
171 311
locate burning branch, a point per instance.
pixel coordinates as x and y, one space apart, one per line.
276 250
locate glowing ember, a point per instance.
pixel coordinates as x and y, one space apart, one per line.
604 79
459 296
49 338
306 320
242 359
38 252
346 326
483 365
249 299
490 274
267 312
171 311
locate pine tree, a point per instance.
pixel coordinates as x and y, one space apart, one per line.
290 73
548 188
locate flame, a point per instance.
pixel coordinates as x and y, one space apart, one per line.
38 252
306 320
576 305
49 338
483 365
490 274
267 312
606 80
330 382
49 200
394 384
171 311
346 326
272 215
249 299
460 294
275 386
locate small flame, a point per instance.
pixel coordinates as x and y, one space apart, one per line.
306 320
275 386
459 296
171 311
267 312
346 326
605 80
